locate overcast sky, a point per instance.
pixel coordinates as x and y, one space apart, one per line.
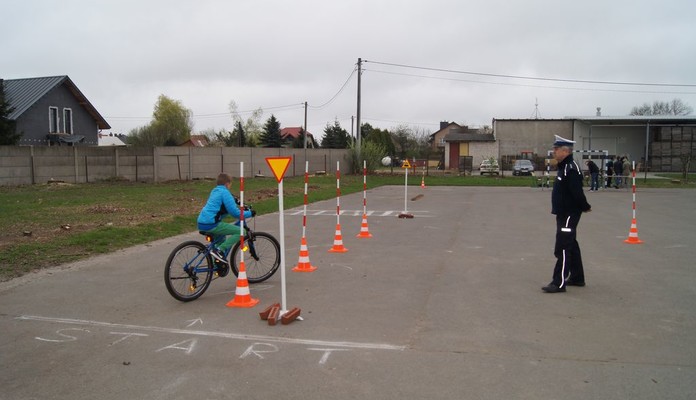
277 54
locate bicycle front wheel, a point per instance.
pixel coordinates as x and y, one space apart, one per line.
261 261
188 271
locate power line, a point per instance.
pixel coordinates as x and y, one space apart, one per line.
225 114
337 93
526 85
531 77
288 107
402 122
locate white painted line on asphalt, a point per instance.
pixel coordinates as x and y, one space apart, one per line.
256 338
355 213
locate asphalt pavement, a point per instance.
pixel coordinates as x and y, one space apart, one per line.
446 305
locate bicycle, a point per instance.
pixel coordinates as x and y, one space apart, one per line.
190 267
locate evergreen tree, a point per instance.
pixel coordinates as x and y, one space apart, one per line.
383 139
336 137
236 138
270 136
225 137
366 130
239 134
8 134
298 142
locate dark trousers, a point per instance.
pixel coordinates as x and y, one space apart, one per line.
567 251
594 181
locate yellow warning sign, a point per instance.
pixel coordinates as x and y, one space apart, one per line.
278 165
406 164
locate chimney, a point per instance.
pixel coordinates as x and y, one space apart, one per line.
599 111
443 124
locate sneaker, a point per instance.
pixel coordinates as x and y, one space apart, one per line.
219 256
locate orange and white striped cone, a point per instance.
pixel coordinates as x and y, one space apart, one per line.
242 295
633 234
423 182
364 230
303 264
338 242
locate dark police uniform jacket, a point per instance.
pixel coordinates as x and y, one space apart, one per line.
567 197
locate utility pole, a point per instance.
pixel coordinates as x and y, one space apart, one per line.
358 133
352 124
305 125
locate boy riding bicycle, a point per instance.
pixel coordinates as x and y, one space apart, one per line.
220 204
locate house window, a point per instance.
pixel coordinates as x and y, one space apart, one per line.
52 119
67 121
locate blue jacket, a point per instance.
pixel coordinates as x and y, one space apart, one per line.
220 204
567 196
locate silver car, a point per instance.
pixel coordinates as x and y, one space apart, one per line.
523 167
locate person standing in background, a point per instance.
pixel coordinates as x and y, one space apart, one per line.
610 172
594 175
618 171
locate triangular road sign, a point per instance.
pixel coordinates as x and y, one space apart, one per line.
406 164
278 165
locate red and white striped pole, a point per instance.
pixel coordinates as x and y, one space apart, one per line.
304 210
241 212
364 230
303 264
338 237
242 295
633 232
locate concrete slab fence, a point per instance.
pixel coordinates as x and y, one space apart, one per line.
27 165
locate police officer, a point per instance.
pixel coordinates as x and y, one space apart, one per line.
568 202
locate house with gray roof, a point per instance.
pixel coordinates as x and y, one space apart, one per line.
52 111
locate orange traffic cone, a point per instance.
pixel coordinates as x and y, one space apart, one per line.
423 182
242 295
364 232
633 234
303 264
338 242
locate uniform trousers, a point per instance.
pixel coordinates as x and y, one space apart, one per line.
567 251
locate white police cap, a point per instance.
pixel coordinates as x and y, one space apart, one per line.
560 142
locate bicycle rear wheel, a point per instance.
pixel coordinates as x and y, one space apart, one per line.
188 271
261 261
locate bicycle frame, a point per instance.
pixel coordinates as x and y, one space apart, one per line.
214 240
196 263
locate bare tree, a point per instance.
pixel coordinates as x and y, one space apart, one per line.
680 108
251 128
674 107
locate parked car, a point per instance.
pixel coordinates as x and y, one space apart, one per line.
523 167
489 166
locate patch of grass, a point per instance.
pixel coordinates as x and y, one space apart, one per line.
52 224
